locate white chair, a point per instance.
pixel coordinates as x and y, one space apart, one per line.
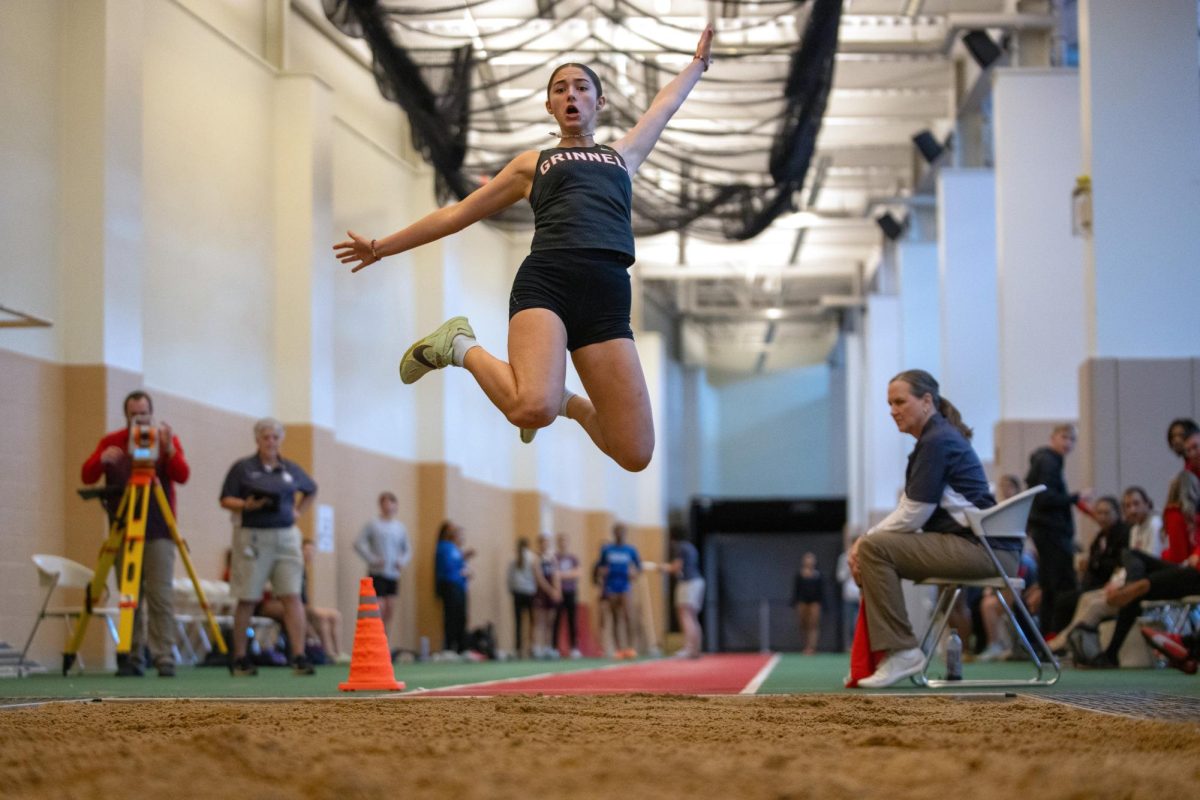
57 572
1002 521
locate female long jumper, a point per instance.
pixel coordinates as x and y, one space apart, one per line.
573 289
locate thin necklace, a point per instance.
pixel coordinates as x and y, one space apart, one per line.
562 135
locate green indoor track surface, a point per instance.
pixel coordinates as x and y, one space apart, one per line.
794 674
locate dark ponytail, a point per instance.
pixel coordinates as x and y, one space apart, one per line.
921 383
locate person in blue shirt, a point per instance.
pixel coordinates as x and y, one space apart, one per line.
452 575
619 566
689 594
927 535
262 490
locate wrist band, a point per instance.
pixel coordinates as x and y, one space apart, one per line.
702 60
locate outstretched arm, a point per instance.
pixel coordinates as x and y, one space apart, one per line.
508 187
636 145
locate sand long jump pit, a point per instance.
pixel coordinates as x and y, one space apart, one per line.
623 747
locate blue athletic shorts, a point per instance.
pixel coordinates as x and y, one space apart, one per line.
588 289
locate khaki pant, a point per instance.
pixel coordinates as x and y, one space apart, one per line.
156 604
885 558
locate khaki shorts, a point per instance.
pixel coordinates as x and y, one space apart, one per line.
262 554
690 593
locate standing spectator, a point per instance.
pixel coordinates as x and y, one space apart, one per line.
1145 529
453 575
383 544
568 581
618 568
1051 525
808 594
851 594
689 594
262 490
522 584
545 600
1183 497
111 461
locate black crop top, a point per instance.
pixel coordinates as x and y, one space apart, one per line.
582 198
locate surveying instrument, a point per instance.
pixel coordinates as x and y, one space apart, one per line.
127 537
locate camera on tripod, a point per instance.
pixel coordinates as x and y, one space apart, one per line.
143 442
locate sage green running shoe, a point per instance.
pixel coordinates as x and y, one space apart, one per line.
434 351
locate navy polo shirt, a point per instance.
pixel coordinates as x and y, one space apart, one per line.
943 469
249 477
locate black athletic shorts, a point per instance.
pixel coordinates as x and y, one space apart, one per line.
385 587
588 290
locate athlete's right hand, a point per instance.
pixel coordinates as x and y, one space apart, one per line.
355 249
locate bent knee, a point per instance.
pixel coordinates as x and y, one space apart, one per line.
634 459
870 549
536 414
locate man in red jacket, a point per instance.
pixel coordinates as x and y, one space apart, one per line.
111 461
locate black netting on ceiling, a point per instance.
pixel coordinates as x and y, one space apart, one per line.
729 180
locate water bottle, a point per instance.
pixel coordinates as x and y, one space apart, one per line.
424 651
954 657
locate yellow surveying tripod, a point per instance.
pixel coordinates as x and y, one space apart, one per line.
127 536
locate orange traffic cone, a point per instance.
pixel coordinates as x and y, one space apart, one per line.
370 661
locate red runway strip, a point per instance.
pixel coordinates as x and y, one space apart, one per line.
715 674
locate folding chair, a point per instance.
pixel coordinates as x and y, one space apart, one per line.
57 572
1003 521
1181 616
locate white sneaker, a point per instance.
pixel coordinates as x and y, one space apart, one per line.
996 651
895 668
575 654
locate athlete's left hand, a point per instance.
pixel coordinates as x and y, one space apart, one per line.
356 248
704 47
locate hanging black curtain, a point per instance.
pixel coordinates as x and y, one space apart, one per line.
435 87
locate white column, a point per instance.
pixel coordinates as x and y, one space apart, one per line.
1141 148
100 237
884 448
854 344
1039 262
970 349
304 265
917 264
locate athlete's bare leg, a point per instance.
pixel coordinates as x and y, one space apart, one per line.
528 389
616 412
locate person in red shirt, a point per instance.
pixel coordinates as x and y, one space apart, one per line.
111 461
1183 497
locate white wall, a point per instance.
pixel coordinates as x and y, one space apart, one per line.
376 308
917 265
1039 263
29 171
1141 147
970 362
777 434
209 245
885 449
